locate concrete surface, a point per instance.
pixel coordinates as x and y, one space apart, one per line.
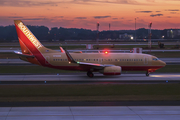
97 77
89 113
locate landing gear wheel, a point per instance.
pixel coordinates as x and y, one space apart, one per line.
90 74
147 74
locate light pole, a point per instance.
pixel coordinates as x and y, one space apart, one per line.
150 34
97 35
135 29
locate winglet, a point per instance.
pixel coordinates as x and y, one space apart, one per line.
62 50
70 59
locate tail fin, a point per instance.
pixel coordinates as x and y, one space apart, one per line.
28 42
32 49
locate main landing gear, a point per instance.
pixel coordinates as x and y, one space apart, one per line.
147 73
90 74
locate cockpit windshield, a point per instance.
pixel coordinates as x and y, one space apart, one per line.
155 59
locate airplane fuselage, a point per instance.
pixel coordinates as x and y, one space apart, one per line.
127 61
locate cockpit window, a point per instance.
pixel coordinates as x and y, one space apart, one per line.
155 59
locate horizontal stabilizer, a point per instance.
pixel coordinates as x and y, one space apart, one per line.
23 55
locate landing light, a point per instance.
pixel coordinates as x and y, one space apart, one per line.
69 62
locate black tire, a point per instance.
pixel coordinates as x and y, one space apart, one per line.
147 74
90 74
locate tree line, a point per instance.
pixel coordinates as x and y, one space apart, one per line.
8 33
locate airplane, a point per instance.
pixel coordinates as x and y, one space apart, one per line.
106 63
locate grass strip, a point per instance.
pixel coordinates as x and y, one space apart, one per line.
112 46
8 55
68 47
30 69
89 92
169 69
165 54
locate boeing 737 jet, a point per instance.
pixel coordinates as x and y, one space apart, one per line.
106 63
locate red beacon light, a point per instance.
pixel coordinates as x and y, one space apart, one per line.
106 52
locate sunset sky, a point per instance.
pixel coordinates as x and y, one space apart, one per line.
121 14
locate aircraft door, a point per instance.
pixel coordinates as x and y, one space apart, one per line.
100 60
47 60
145 60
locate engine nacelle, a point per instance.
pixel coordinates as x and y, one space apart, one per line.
112 70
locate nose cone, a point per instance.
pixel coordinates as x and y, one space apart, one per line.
162 63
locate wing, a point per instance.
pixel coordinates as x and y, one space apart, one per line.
96 66
62 50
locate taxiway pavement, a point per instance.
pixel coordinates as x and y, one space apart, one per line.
89 113
97 77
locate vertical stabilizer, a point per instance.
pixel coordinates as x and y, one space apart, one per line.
28 42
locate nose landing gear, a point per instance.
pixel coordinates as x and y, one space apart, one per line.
150 71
